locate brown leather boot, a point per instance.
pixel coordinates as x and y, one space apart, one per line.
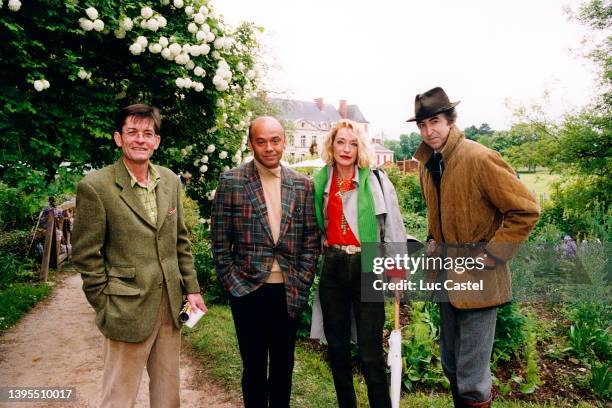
483 404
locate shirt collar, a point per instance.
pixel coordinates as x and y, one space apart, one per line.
154 178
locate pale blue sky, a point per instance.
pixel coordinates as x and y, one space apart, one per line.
379 54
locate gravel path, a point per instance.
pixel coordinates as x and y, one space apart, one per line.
58 345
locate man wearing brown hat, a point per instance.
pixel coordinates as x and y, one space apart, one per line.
474 200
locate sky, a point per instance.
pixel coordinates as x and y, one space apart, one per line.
489 54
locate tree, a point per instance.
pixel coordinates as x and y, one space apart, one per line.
474 133
530 146
405 148
67 68
470 132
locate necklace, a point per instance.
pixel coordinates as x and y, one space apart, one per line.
342 184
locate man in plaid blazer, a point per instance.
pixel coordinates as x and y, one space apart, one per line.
265 247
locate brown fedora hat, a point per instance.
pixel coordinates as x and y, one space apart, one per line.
431 103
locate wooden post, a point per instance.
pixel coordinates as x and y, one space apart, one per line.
49 237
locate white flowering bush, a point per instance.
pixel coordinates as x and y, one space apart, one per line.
68 66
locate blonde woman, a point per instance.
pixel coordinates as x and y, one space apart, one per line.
352 207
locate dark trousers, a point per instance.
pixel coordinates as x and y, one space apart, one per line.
265 333
339 288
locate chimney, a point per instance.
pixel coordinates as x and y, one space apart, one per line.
319 102
342 109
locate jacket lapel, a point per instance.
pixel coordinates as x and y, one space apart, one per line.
255 193
287 201
163 200
122 179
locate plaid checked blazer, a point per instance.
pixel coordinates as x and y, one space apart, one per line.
243 247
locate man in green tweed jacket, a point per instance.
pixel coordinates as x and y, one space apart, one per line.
132 249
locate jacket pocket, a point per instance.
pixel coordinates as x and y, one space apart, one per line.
122 271
119 288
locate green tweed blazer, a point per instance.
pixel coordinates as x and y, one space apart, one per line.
124 259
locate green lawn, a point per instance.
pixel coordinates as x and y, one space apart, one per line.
540 182
214 341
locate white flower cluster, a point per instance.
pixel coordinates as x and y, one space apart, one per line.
186 150
139 45
223 43
211 194
203 160
41 84
92 22
237 157
84 74
126 24
150 20
13 5
188 83
222 77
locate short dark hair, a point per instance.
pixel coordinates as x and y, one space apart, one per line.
140 110
450 115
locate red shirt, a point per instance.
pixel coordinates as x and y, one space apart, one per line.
335 232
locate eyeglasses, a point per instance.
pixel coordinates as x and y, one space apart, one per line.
147 134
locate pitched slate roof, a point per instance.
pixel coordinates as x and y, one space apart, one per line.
354 113
295 110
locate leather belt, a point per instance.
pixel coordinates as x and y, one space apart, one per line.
349 249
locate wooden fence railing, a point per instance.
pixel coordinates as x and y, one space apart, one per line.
58 236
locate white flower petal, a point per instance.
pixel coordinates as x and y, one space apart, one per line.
127 24
175 49
199 18
86 24
91 12
152 24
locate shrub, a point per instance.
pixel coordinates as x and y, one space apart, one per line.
17 209
420 353
198 70
14 269
205 268
589 333
509 334
191 212
408 190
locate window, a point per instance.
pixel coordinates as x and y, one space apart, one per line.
303 140
314 139
290 140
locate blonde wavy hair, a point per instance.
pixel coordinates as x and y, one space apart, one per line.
363 154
